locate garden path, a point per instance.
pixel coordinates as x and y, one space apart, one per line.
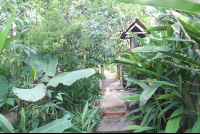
113 109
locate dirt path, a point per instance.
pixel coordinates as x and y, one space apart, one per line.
113 120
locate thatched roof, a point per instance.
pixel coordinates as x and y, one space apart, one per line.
136 26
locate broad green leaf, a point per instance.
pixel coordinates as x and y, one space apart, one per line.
126 61
85 110
168 96
158 28
23 119
196 127
147 93
148 49
159 82
182 5
33 73
8 40
183 58
68 78
173 123
176 27
153 73
133 111
52 62
170 39
3 88
134 118
129 97
33 94
169 30
57 126
11 101
5 125
142 84
131 127
145 128
146 116
4 33
159 71
188 130
37 61
35 123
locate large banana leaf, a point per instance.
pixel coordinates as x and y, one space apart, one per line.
147 93
126 61
3 88
182 5
158 28
5 125
173 123
33 94
57 126
37 61
4 33
68 78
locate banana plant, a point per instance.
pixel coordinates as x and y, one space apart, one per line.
56 126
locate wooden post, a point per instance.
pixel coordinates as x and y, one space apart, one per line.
120 72
132 43
100 71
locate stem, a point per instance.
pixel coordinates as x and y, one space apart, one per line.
160 109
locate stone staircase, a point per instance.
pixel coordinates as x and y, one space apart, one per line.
113 110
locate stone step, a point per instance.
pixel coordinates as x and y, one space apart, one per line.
114 124
120 131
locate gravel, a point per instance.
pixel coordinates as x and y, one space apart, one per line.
115 109
113 123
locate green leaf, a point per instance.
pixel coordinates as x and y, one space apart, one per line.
68 78
133 111
147 93
3 88
134 118
11 101
183 58
37 61
169 30
23 119
148 49
159 71
173 123
129 97
5 125
35 123
142 84
57 126
33 94
52 62
4 33
145 128
146 116
182 5
176 27
159 82
196 127
153 73
8 40
131 127
85 111
126 61
158 28
168 96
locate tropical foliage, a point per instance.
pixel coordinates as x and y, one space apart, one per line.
166 69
